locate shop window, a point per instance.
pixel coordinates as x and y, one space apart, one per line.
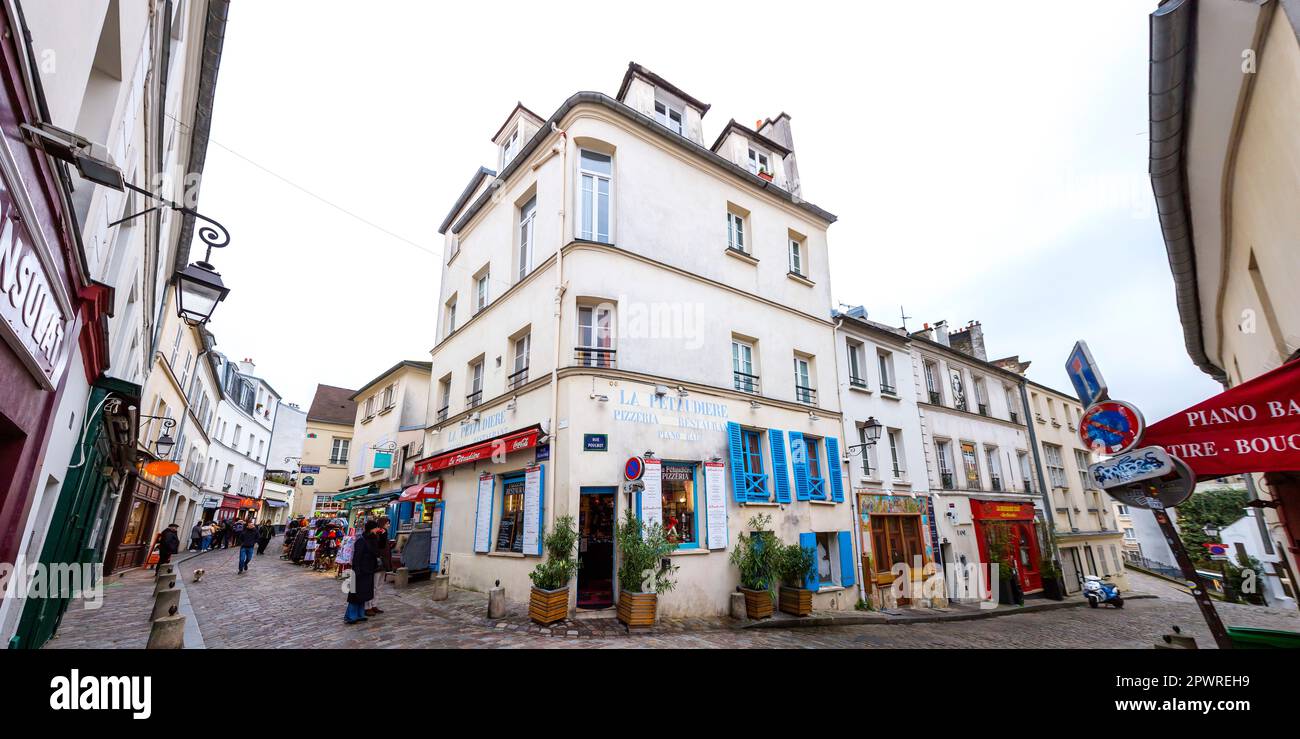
833 557
510 530
679 499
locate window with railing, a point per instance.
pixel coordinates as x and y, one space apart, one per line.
442 413
473 399
746 383
595 336
886 362
743 370
519 376
804 392
475 394
755 479
594 357
857 378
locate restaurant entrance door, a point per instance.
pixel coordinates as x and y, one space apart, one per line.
596 548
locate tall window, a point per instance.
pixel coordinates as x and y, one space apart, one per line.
595 336
595 173
796 256
932 383
816 483
390 396
735 231
971 464
668 116
752 451
444 397
758 161
856 376
475 395
868 452
339 451
981 397
451 316
995 467
1081 462
481 291
803 389
519 375
527 214
1026 476
896 454
510 148
1013 404
886 360
742 366
1055 466
943 450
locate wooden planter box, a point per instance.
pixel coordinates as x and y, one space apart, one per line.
765 175
796 601
637 610
548 606
758 603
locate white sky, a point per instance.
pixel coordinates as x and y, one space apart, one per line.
987 162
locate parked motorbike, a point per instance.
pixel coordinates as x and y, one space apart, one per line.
1099 591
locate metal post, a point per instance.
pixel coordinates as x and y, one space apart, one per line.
1193 577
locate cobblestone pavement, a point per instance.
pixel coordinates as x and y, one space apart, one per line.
278 604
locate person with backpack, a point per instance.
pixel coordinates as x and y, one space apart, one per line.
246 539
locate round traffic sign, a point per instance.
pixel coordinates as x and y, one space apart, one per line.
634 468
1111 426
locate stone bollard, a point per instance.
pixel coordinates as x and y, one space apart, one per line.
167 632
738 606
402 577
165 583
497 603
441 586
167 569
165 604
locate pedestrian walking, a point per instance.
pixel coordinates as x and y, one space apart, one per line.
264 534
196 537
246 541
365 562
206 534
169 542
385 551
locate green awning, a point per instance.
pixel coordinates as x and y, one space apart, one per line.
350 494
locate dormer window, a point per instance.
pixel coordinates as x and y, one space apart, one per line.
509 148
759 162
669 117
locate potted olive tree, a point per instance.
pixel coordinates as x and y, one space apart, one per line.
1053 582
549 601
793 563
755 556
644 570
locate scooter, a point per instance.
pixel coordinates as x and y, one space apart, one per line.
1098 592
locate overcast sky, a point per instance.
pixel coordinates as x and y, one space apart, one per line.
987 161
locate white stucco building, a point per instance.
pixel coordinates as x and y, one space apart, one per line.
237 457
619 288
387 435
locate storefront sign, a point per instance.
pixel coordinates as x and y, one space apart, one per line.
1111 427
715 502
310 469
422 491
998 510
652 501
483 519
504 445
1084 375
1250 428
35 315
1140 464
533 510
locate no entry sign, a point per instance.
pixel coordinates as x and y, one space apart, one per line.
1111 426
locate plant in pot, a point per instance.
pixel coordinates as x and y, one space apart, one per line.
1053 582
644 570
549 600
765 174
755 555
793 563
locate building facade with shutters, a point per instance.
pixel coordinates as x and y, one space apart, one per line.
620 288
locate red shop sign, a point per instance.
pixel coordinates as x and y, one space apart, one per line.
507 444
423 491
1253 427
1001 510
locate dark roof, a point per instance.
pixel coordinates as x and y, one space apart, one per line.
636 70
867 324
464 196
332 405
649 124
518 107
751 134
426 366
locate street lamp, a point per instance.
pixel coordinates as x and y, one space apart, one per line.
164 443
198 290
870 435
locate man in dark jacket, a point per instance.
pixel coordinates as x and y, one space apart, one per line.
264 534
196 537
168 544
365 563
247 539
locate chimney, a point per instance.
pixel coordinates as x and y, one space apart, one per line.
778 129
857 311
969 340
246 367
941 333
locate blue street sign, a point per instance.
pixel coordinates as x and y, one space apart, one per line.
1084 375
595 442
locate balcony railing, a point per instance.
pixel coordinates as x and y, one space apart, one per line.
866 467
517 379
805 394
817 488
473 399
983 409
338 460
755 486
898 473
960 405
745 382
946 480
1015 417
442 413
935 398
997 484
887 389
858 382
593 356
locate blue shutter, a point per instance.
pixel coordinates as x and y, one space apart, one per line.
800 461
809 541
735 450
835 468
541 506
780 472
847 567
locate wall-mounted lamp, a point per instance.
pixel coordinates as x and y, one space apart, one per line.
813 416
649 454
510 406
601 398
164 443
681 392
754 404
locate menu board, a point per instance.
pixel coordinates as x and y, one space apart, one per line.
483 521
435 537
533 510
715 503
652 496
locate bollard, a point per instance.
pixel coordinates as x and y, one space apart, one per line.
167 632
738 606
164 584
167 569
402 578
497 603
165 604
441 586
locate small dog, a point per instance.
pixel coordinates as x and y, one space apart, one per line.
198 575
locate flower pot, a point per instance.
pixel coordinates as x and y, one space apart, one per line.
765 175
548 606
637 610
1054 588
758 603
796 601
1005 596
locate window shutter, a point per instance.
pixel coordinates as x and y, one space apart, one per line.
800 462
835 468
780 472
734 451
809 541
847 568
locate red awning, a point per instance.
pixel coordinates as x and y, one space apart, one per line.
1253 427
423 491
511 442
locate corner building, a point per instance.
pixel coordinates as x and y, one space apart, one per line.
621 288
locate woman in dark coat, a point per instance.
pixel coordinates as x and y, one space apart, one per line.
365 562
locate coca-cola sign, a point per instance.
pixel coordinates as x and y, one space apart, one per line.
36 316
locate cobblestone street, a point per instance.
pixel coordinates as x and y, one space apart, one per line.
278 604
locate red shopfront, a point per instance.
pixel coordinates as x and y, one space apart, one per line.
1019 521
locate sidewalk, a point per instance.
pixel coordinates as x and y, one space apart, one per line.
122 620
